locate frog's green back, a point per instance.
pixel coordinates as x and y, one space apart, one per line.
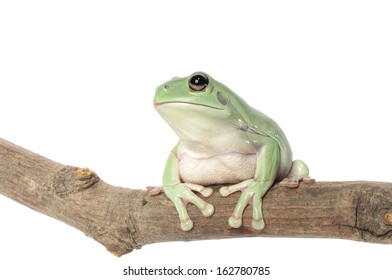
260 123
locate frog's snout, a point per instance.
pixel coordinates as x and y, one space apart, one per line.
162 88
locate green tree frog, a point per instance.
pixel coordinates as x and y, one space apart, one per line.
222 141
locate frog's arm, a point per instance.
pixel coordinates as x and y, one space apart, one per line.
254 189
171 175
182 193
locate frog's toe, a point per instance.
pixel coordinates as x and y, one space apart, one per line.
207 192
258 224
185 220
294 183
224 191
308 180
154 190
208 210
289 183
186 225
235 222
257 221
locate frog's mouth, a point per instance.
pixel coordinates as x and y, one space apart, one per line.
190 103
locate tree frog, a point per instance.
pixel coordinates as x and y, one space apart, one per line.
222 141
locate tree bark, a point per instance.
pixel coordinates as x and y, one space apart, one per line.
124 219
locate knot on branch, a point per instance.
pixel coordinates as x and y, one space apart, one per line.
388 217
70 180
374 213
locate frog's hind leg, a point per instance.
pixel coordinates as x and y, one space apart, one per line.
298 172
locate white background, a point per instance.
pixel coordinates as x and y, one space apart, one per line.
77 80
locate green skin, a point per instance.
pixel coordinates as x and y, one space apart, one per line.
222 141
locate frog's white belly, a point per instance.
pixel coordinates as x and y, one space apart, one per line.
228 168
212 148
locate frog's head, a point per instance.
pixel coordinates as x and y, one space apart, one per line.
197 103
199 89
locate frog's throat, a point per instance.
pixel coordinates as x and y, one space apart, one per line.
191 103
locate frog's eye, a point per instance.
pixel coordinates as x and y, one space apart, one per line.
198 82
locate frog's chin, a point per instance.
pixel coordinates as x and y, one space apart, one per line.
197 119
185 102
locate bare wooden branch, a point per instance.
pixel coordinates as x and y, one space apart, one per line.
124 219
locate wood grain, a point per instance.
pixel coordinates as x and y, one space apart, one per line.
124 219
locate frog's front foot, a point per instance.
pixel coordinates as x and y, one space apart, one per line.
252 193
181 194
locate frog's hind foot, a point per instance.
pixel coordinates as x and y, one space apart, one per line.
294 183
299 172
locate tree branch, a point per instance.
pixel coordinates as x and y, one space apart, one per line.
125 219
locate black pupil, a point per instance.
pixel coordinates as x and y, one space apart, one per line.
199 80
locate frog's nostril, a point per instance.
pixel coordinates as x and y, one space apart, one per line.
166 86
